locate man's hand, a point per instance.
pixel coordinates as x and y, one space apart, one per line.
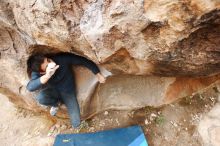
101 78
50 70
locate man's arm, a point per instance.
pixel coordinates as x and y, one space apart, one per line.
49 72
35 82
79 60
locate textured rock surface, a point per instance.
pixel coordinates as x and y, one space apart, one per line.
128 92
174 39
209 126
21 127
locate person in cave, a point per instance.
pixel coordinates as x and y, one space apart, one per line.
52 76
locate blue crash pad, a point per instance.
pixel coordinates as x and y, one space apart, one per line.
130 136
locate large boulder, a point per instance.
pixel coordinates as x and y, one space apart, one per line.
156 51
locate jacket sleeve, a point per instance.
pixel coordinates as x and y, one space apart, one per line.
79 60
34 83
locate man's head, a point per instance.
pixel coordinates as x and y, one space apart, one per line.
38 63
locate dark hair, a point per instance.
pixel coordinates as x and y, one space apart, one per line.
34 62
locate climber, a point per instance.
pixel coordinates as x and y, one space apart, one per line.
52 76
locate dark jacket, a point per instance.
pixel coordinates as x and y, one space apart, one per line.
63 79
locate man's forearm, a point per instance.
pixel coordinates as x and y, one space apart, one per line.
49 72
44 79
79 60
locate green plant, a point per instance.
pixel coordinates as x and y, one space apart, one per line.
160 120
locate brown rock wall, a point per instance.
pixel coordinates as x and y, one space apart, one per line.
173 45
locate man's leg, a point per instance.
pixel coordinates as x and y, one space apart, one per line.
72 105
48 97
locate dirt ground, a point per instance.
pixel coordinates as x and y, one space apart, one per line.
168 125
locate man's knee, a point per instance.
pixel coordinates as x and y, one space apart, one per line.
48 97
41 98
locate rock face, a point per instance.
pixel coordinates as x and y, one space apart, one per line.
209 126
173 45
21 127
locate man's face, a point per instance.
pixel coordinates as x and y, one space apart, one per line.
45 64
